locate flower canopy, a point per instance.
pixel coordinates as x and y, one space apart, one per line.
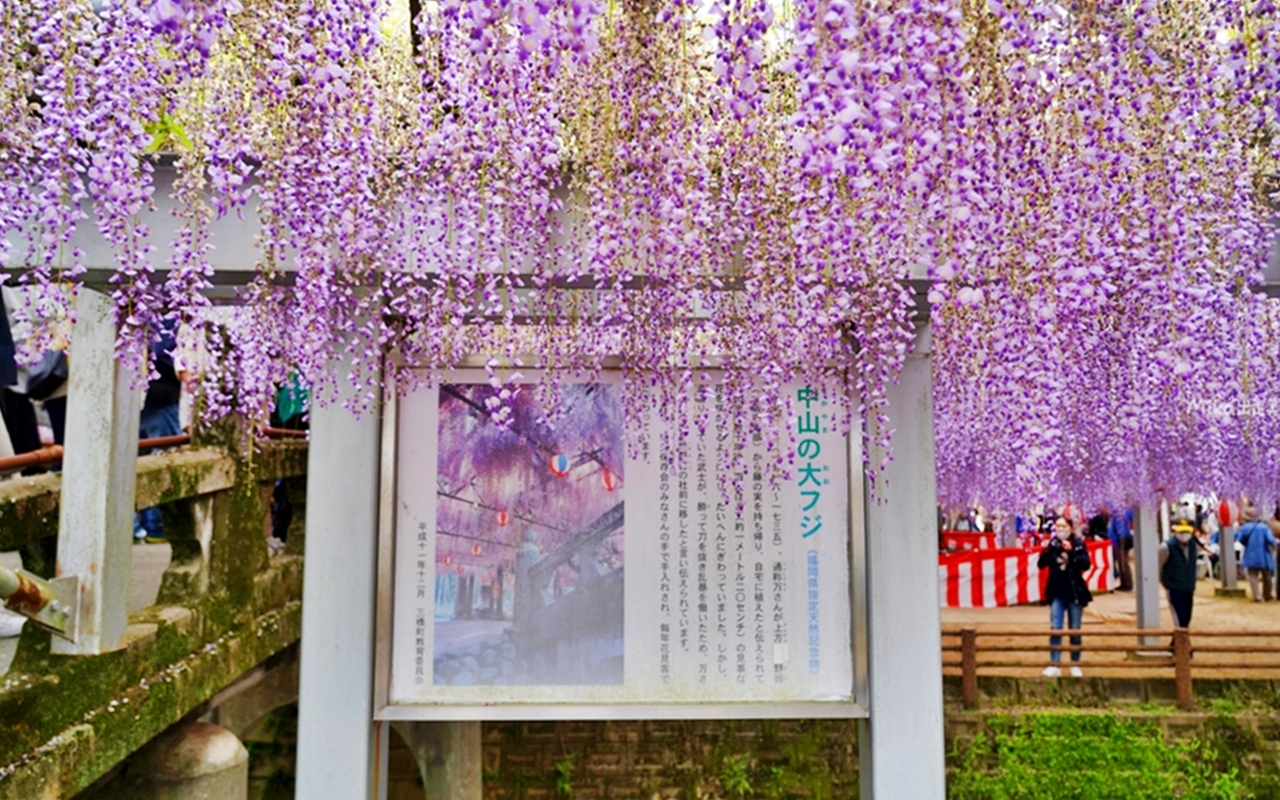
680 185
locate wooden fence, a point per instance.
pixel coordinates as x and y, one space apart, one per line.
975 650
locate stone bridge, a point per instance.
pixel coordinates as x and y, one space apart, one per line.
210 636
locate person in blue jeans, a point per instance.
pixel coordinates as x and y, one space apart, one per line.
1067 560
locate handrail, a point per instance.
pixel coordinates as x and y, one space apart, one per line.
43 457
1029 631
284 433
164 441
52 454
1177 652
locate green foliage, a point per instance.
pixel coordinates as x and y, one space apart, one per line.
166 134
1087 757
564 777
776 783
1224 705
735 776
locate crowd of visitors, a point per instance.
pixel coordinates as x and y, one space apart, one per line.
1189 553
33 397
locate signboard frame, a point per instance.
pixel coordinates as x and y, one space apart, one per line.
856 707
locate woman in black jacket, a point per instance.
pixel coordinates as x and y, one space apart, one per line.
1067 560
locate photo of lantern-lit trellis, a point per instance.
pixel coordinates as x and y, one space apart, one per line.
529 537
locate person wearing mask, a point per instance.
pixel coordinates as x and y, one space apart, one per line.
1178 571
1258 562
1067 560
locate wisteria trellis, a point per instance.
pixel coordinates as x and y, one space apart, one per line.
738 183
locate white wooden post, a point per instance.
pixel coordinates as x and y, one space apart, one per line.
1146 580
902 750
99 470
339 757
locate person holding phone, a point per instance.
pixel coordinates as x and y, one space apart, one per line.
1067 560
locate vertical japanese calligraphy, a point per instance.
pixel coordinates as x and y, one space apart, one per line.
733 593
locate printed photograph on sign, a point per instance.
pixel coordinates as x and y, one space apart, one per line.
529 537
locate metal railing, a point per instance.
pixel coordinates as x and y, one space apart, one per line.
973 651
51 455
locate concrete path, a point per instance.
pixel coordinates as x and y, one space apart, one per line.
149 563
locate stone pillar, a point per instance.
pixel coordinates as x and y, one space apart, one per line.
1227 563
1146 579
449 757
190 761
338 756
902 752
99 472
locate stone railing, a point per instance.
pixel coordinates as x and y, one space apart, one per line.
224 607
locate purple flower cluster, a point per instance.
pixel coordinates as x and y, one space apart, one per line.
1097 338
552 184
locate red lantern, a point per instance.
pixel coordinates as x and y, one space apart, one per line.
476 550
1228 512
609 479
459 568
504 517
448 560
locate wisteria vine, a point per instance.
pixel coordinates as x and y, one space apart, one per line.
558 185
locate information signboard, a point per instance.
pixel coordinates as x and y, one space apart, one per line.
544 567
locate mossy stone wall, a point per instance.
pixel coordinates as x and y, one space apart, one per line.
1062 754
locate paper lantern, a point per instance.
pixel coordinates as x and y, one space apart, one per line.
476 549
1228 512
609 480
560 465
448 560
504 517
460 569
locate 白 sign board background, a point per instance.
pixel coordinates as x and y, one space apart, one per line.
542 563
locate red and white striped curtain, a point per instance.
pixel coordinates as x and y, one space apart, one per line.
1008 576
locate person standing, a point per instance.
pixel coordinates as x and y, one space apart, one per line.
1178 571
1100 523
1274 525
159 418
1120 531
1258 562
19 415
1067 560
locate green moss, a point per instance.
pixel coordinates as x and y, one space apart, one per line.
272 746
28 511
122 699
